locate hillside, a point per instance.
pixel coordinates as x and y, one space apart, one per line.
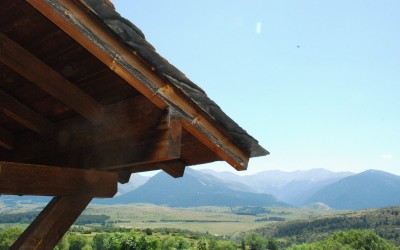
369 189
194 189
385 222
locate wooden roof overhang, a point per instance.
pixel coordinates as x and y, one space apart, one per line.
82 107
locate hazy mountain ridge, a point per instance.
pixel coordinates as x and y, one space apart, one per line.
292 187
194 189
369 189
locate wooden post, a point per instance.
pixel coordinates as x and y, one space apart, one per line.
52 223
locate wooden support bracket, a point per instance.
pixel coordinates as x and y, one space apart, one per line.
27 179
52 223
175 168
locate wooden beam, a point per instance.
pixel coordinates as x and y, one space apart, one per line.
175 168
135 132
23 115
52 223
6 139
103 44
162 143
36 71
27 179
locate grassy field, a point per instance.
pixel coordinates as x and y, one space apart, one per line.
215 220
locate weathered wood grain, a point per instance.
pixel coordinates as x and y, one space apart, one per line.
52 223
28 179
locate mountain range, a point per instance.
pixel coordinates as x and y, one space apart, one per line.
316 188
291 187
194 189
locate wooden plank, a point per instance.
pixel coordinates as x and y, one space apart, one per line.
6 139
33 69
75 21
28 179
23 115
52 223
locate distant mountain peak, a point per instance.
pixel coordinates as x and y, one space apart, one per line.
369 189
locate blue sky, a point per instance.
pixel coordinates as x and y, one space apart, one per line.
316 82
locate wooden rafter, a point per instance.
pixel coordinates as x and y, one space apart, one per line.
52 223
23 115
84 29
6 139
36 71
27 179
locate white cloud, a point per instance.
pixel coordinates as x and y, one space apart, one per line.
387 156
258 27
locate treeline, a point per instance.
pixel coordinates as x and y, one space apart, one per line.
28 217
146 240
353 239
385 222
166 239
24 217
249 210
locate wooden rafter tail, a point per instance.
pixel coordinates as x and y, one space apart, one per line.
86 30
23 115
28 179
53 222
124 176
6 139
174 168
36 71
